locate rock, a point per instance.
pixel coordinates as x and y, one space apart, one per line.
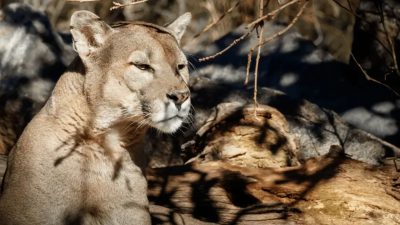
313 127
296 66
308 130
33 56
246 136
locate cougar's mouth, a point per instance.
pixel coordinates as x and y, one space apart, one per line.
168 118
171 118
169 125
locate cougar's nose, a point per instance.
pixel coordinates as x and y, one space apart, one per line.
178 97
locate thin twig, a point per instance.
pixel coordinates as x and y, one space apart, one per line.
284 30
391 49
260 38
218 20
249 55
246 81
361 18
236 41
346 9
369 78
83 0
272 14
117 5
389 39
252 25
255 24
350 7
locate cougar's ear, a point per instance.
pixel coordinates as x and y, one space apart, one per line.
88 31
178 27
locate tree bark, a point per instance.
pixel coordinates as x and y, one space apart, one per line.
327 190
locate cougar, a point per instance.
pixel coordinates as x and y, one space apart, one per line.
79 161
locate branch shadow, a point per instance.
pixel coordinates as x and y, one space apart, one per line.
223 194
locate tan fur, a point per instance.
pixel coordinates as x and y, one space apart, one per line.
78 161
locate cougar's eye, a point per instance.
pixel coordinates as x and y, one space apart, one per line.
181 66
143 66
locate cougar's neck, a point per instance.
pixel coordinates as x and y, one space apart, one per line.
126 133
121 138
69 105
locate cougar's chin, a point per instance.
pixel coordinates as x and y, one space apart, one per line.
169 125
167 118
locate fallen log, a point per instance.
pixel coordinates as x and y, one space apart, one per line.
331 189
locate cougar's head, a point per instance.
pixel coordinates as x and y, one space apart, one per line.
134 71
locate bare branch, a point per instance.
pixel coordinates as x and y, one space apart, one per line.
272 14
349 3
284 30
246 81
260 38
236 41
218 20
117 5
350 12
388 38
82 0
253 25
369 78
